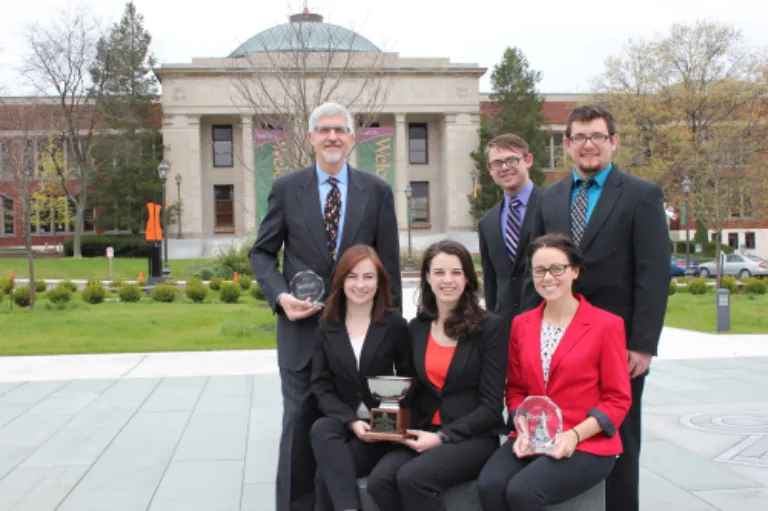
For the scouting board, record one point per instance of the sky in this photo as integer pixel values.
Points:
(567, 41)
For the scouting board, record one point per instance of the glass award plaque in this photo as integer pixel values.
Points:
(541, 420)
(308, 285)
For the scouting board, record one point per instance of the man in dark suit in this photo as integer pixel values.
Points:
(619, 223)
(504, 231)
(314, 215)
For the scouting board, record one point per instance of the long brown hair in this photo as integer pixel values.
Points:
(336, 304)
(467, 316)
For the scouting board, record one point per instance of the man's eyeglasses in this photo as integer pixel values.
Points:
(327, 130)
(556, 270)
(596, 138)
(510, 162)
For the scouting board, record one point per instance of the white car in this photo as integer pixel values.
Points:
(742, 266)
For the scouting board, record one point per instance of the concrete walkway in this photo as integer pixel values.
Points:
(199, 431)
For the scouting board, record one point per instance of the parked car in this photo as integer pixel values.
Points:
(738, 265)
(677, 268)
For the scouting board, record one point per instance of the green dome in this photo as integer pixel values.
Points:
(305, 32)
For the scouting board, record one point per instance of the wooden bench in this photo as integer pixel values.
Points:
(464, 498)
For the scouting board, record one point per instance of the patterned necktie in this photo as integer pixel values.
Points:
(512, 228)
(331, 216)
(579, 211)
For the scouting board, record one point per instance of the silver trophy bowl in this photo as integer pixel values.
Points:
(390, 390)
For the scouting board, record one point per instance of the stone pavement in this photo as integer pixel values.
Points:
(199, 431)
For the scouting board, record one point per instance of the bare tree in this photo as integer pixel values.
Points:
(62, 58)
(304, 64)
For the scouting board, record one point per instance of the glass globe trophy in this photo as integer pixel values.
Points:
(541, 420)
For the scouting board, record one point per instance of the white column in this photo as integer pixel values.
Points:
(181, 141)
(248, 201)
(401, 170)
(460, 138)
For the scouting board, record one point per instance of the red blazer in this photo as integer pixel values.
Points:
(588, 375)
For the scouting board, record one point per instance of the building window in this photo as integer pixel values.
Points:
(749, 240)
(417, 142)
(7, 217)
(89, 215)
(6, 167)
(223, 196)
(733, 240)
(222, 145)
(420, 202)
(715, 237)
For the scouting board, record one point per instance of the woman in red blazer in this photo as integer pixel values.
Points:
(575, 354)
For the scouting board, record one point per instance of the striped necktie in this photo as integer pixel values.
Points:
(512, 228)
(579, 211)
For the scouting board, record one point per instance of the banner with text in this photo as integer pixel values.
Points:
(376, 152)
(269, 163)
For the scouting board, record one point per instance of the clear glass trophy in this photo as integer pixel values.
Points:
(541, 420)
(308, 285)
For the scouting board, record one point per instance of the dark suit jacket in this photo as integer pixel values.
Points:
(337, 383)
(588, 374)
(626, 245)
(502, 280)
(294, 222)
(471, 402)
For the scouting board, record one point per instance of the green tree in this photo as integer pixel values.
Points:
(516, 108)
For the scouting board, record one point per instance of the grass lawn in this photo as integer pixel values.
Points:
(749, 314)
(114, 327)
(96, 267)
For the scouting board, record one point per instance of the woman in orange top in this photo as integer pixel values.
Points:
(459, 354)
(575, 354)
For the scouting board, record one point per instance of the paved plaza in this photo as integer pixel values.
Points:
(199, 431)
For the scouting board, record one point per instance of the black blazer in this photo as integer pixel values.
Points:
(471, 402)
(626, 246)
(294, 223)
(336, 382)
(502, 280)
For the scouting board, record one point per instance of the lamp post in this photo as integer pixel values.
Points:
(178, 206)
(687, 189)
(409, 196)
(474, 199)
(162, 171)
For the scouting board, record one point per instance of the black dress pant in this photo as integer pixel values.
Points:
(295, 482)
(509, 483)
(405, 480)
(341, 458)
(622, 488)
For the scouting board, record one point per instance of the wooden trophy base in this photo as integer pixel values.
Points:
(389, 424)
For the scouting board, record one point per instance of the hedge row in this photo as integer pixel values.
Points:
(96, 246)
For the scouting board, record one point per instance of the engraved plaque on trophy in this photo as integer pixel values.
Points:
(390, 419)
(308, 285)
(540, 419)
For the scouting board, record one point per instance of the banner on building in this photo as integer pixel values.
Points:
(376, 152)
(269, 163)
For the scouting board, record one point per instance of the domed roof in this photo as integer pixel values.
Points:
(305, 32)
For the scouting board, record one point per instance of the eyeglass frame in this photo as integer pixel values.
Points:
(326, 130)
(588, 138)
(506, 161)
(544, 271)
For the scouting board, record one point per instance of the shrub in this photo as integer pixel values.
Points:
(94, 291)
(245, 282)
(230, 292)
(196, 291)
(68, 284)
(96, 246)
(117, 283)
(59, 294)
(6, 285)
(2, 295)
(257, 293)
(21, 296)
(235, 259)
(697, 286)
(206, 274)
(755, 286)
(729, 282)
(41, 286)
(141, 282)
(672, 287)
(164, 293)
(129, 293)
(215, 283)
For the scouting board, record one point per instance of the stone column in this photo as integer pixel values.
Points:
(248, 201)
(460, 138)
(181, 142)
(401, 170)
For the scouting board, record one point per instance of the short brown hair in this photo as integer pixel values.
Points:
(586, 113)
(561, 242)
(336, 304)
(508, 141)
